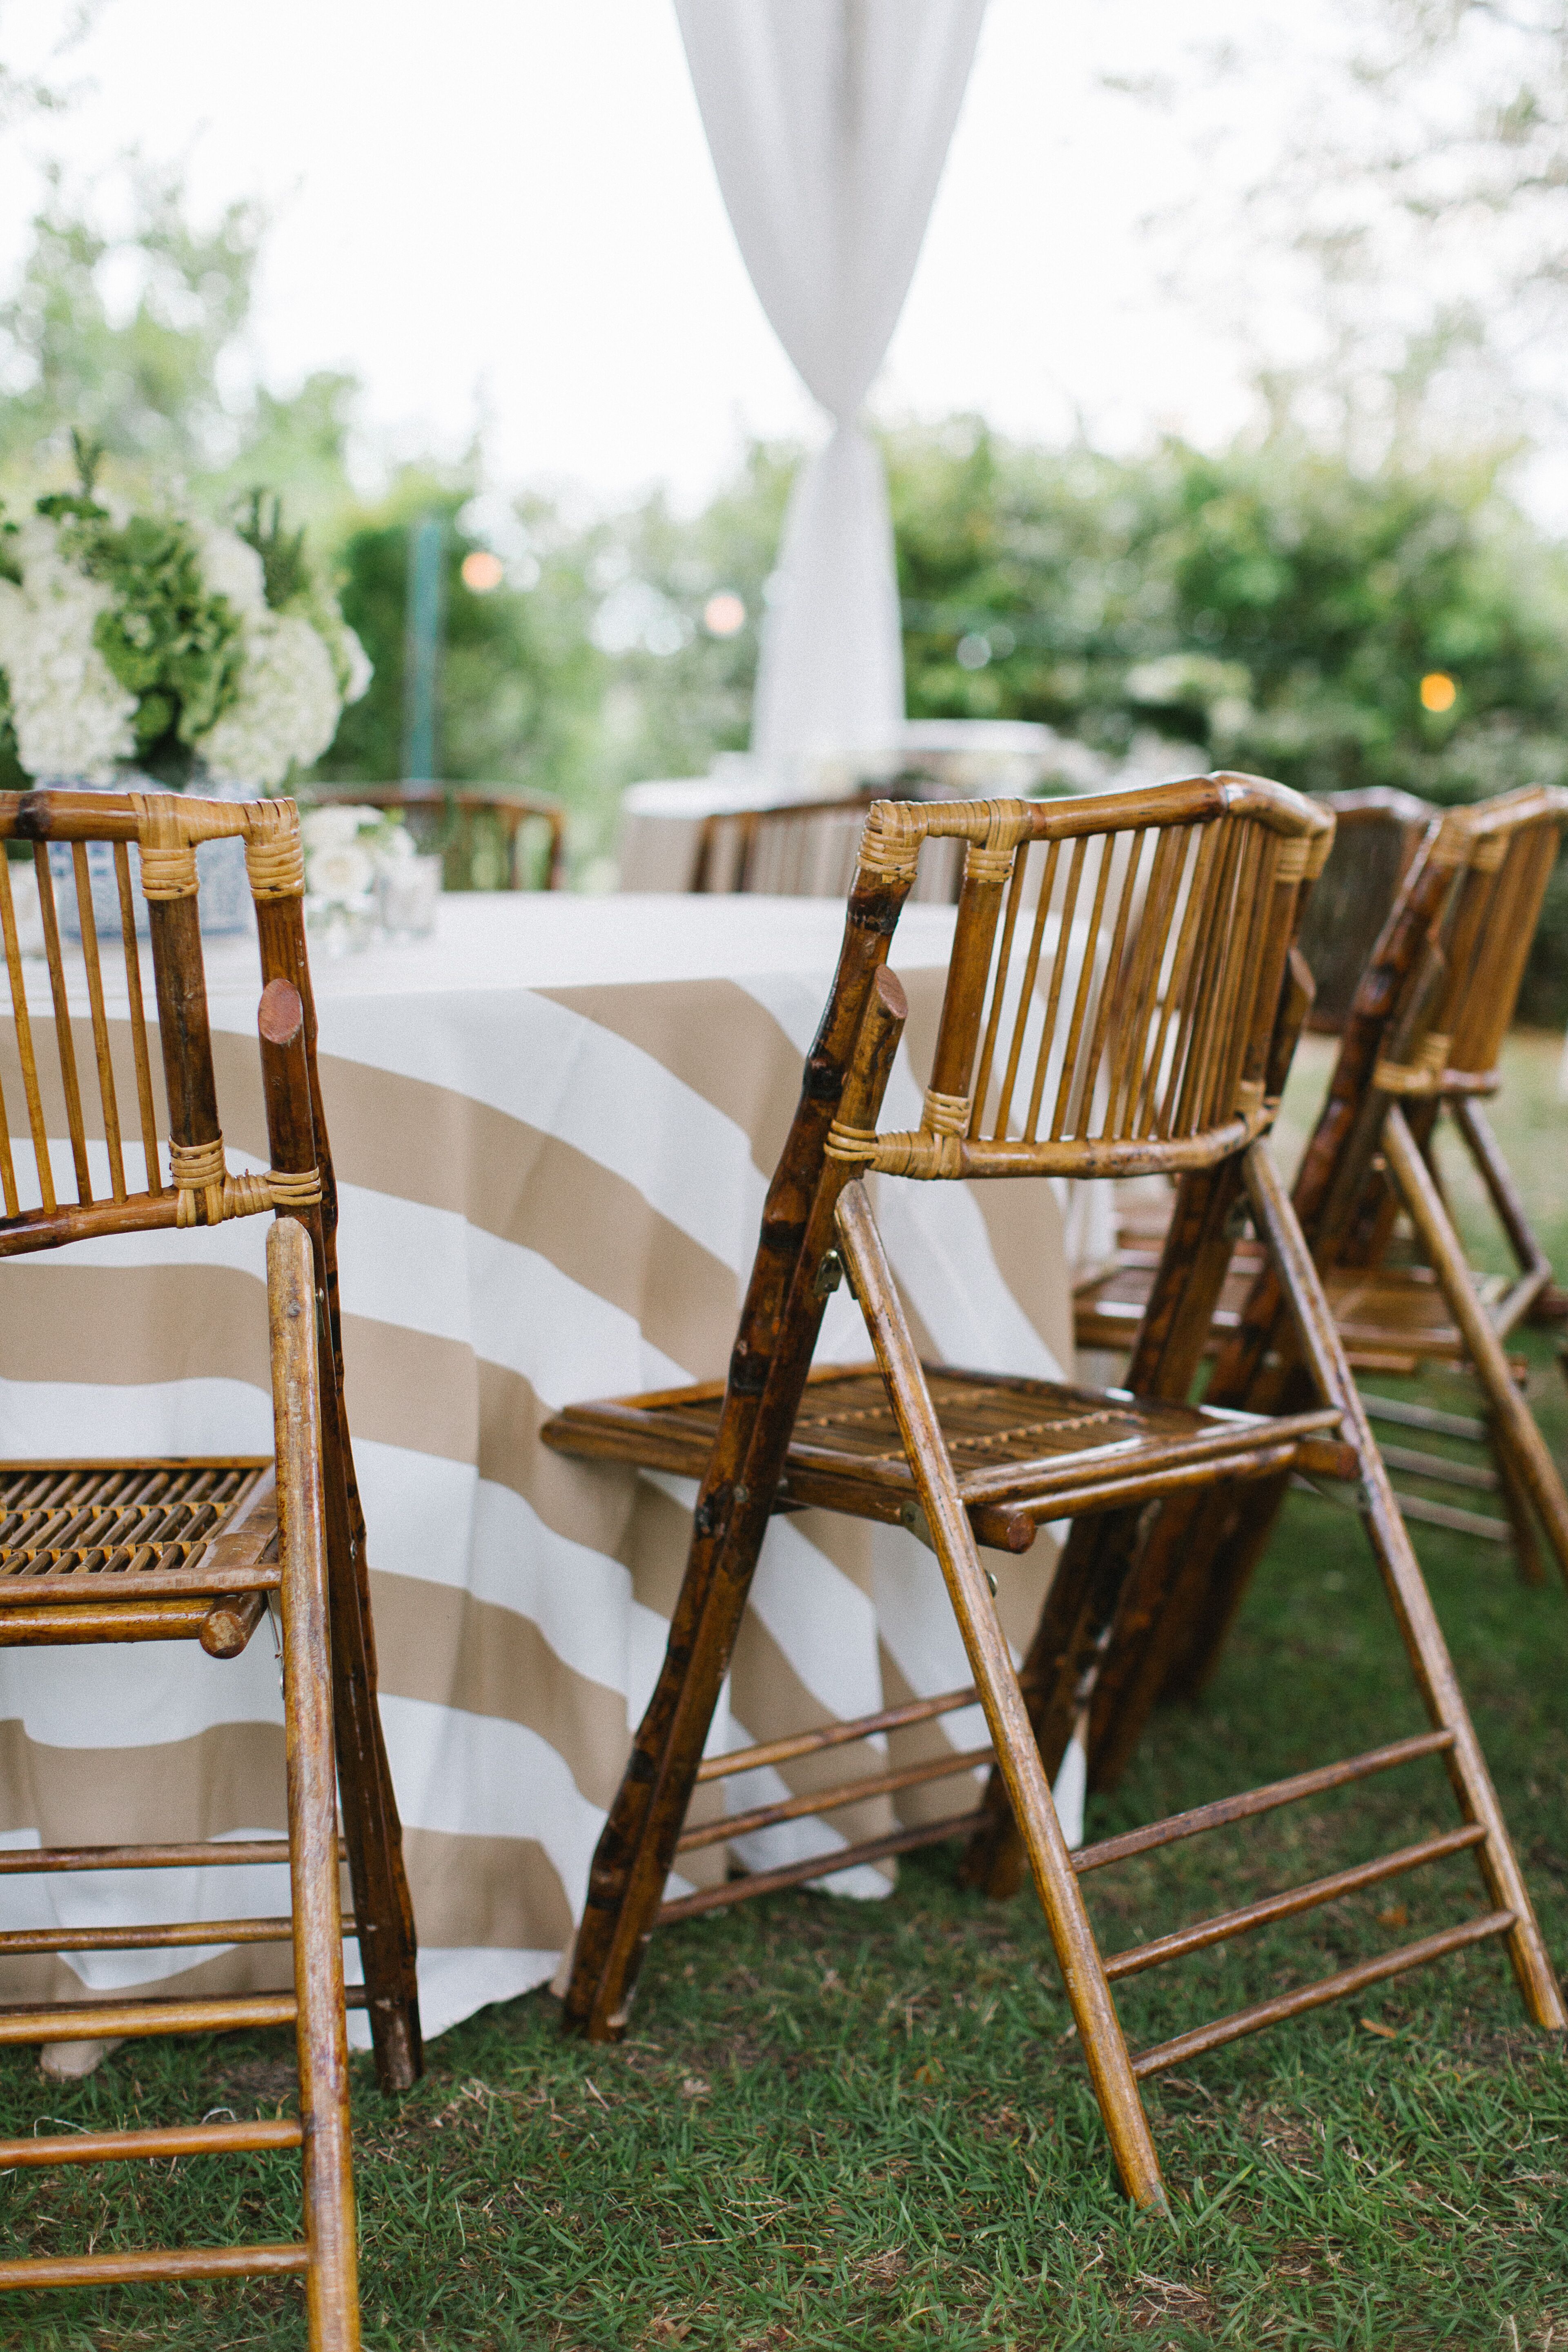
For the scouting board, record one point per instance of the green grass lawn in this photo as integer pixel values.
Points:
(840, 2125)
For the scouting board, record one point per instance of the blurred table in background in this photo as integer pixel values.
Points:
(662, 822)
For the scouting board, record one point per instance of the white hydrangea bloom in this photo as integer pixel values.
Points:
(71, 715)
(231, 567)
(343, 875)
(288, 706)
(335, 826)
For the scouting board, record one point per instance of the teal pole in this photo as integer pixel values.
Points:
(422, 649)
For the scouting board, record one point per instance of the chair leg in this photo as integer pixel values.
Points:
(636, 1845)
(372, 1832)
(1508, 1202)
(1506, 1407)
(297, 1138)
(1403, 1579)
(332, 2277)
(1081, 1602)
(768, 1372)
(383, 1910)
(1100, 2029)
(1514, 1496)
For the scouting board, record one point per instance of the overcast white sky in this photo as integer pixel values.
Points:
(506, 207)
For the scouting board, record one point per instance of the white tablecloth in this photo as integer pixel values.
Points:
(552, 1125)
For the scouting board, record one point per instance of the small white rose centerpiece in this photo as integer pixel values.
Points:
(348, 850)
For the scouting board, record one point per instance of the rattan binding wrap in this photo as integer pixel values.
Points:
(210, 1193)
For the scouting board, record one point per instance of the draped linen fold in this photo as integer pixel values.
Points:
(829, 121)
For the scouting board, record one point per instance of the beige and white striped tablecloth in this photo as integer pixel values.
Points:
(552, 1125)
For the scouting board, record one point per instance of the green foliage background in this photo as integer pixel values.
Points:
(1271, 606)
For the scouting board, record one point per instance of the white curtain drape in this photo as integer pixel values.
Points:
(829, 123)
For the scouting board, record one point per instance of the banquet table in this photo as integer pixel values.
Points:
(552, 1125)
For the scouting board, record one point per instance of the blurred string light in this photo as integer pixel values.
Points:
(482, 572)
(724, 616)
(1438, 691)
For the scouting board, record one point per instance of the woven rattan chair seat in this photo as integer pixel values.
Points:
(97, 1523)
(1014, 1442)
(1389, 1317)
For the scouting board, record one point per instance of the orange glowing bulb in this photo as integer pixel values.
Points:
(1438, 691)
(482, 572)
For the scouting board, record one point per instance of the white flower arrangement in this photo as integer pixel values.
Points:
(71, 716)
(169, 643)
(287, 710)
(345, 848)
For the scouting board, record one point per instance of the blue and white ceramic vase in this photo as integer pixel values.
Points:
(224, 896)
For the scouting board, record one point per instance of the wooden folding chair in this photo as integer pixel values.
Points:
(804, 849)
(1392, 1312)
(1070, 1043)
(197, 1550)
(1424, 1033)
(1377, 833)
(478, 829)
(1439, 1310)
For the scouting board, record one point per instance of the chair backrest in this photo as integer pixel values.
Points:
(1432, 1008)
(1377, 833)
(1512, 845)
(478, 829)
(805, 849)
(1115, 976)
(145, 1178)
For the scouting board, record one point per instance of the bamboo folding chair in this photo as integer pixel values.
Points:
(804, 849)
(1070, 1043)
(1423, 1033)
(454, 819)
(1396, 1315)
(200, 1549)
(1377, 833)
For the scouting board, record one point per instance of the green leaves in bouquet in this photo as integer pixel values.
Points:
(285, 566)
(169, 639)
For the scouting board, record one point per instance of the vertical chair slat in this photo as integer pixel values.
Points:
(1144, 979)
(1174, 1026)
(12, 961)
(1197, 990)
(1059, 957)
(1109, 988)
(22, 1019)
(1027, 989)
(1219, 996)
(999, 987)
(183, 1025)
(1084, 992)
(963, 999)
(1197, 1004)
(99, 1021)
(64, 1042)
(1168, 968)
(1204, 999)
(1135, 993)
(138, 1019)
(1254, 889)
